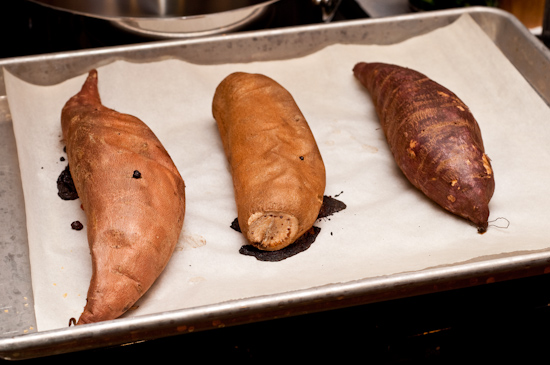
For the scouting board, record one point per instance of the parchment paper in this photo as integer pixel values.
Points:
(388, 227)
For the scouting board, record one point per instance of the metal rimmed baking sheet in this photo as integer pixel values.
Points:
(293, 42)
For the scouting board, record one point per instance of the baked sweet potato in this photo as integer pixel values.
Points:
(433, 137)
(133, 197)
(277, 169)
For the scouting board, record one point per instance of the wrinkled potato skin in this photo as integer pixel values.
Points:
(133, 224)
(434, 139)
(277, 169)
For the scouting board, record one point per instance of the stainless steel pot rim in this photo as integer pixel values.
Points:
(164, 19)
(196, 26)
(240, 14)
(128, 10)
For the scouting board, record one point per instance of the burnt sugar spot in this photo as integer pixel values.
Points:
(77, 226)
(235, 225)
(329, 207)
(65, 185)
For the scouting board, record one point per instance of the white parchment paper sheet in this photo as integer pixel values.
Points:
(388, 227)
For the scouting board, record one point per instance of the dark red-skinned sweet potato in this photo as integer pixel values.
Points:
(133, 197)
(433, 137)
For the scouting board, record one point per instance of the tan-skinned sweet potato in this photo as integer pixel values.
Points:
(277, 169)
(433, 137)
(133, 197)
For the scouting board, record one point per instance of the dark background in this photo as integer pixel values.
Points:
(504, 321)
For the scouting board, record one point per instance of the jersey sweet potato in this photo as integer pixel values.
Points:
(133, 197)
(433, 137)
(277, 170)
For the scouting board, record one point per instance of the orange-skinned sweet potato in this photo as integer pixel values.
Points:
(133, 197)
(433, 137)
(277, 169)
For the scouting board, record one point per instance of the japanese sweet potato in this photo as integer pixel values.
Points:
(433, 137)
(277, 170)
(133, 197)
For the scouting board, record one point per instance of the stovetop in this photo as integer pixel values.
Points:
(30, 28)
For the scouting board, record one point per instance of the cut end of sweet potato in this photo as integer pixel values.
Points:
(272, 231)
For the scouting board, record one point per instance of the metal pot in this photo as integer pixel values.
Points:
(177, 18)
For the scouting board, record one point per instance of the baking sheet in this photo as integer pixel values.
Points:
(387, 227)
